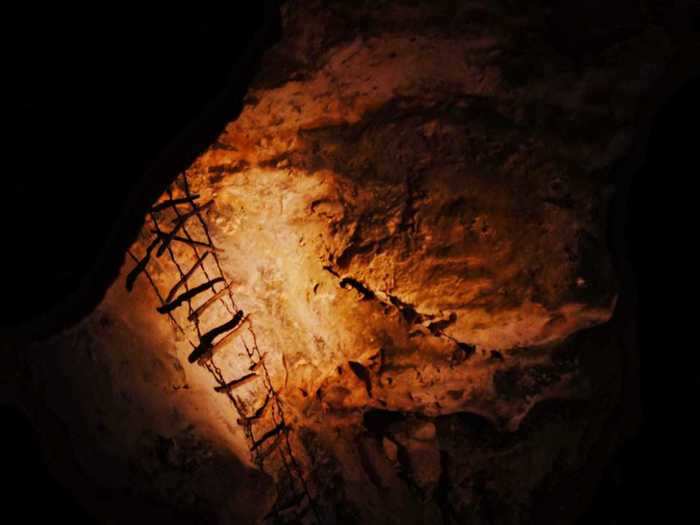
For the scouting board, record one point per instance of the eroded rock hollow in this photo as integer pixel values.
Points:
(384, 294)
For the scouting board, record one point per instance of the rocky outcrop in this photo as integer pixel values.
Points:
(412, 211)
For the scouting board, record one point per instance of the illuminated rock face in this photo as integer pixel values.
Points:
(420, 219)
(412, 210)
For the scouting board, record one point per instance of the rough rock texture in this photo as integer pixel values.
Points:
(412, 209)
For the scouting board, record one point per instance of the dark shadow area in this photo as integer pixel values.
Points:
(85, 97)
(30, 491)
(656, 210)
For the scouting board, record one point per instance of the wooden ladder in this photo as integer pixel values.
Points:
(265, 441)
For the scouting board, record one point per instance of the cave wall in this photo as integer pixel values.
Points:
(412, 209)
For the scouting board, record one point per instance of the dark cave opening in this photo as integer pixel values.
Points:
(129, 122)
